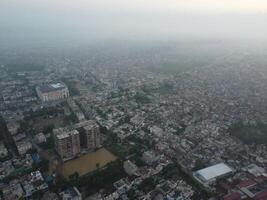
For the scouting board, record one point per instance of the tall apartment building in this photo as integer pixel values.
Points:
(67, 143)
(92, 135)
(70, 140)
(52, 92)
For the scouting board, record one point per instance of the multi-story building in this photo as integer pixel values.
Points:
(70, 140)
(52, 92)
(92, 135)
(67, 143)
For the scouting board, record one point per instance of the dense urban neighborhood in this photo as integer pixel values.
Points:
(114, 125)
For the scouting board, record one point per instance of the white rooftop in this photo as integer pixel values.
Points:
(214, 171)
(67, 134)
(57, 85)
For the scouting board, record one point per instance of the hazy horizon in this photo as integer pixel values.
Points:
(78, 21)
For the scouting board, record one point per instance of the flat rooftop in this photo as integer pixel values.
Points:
(51, 87)
(212, 172)
(66, 134)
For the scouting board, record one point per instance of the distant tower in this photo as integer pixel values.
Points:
(114, 84)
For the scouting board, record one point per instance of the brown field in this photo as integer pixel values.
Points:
(87, 163)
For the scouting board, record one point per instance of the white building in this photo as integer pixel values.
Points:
(130, 168)
(211, 174)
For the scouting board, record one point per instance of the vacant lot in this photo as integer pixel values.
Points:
(87, 163)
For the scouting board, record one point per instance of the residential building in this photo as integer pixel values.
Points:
(71, 193)
(130, 168)
(40, 138)
(3, 150)
(92, 135)
(32, 183)
(67, 143)
(23, 146)
(13, 191)
(149, 157)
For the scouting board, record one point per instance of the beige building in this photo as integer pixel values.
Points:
(92, 135)
(52, 92)
(67, 143)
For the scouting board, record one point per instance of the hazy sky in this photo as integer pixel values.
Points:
(213, 6)
(89, 19)
(174, 5)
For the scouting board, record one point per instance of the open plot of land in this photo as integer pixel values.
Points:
(87, 163)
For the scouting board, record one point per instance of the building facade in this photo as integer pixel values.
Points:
(78, 138)
(92, 136)
(52, 92)
(67, 143)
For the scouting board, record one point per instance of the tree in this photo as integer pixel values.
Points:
(74, 176)
(97, 166)
(199, 164)
(49, 128)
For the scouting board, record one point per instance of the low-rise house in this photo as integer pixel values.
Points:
(71, 193)
(3, 150)
(34, 182)
(13, 127)
(149, 157)
(130, 168)
(6, 168)
(40, 138)
(13, 191)
(23, 146)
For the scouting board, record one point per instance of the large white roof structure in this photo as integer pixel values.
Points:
(213, 172)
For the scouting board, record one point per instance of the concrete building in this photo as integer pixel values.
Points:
(130, 168)
(91, 134)
(255, 170)
(32, 183)
(40, 138)
(12, 127)
(23, 146)
(52, 92)
(3, 150)
(149, 157)
(13, 191)
(67, 143)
